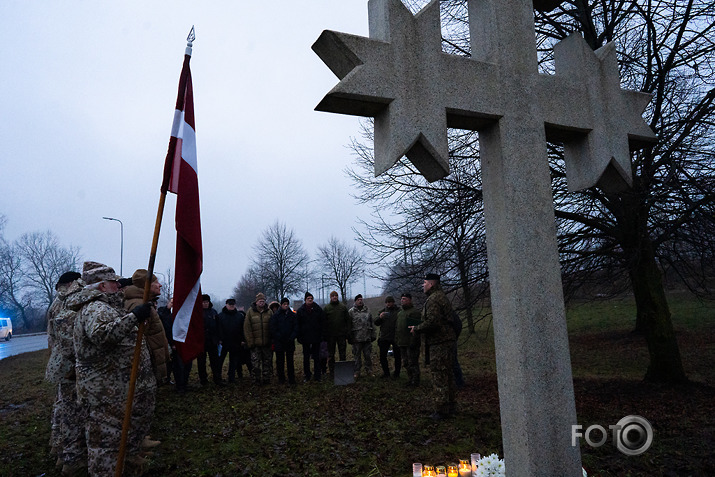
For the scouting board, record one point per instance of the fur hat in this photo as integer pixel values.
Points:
(95, 272)
(274, 304)
(139, 278)
(260, 296)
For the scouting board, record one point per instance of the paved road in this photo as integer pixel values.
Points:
(22, 344)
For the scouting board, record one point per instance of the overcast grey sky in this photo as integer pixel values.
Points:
(88, 96)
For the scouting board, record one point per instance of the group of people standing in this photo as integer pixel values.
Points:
(92, 331)
(324, 333)
(93, 328)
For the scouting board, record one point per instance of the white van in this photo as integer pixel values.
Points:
(5, 329)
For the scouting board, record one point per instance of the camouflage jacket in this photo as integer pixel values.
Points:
(437, 315)
(363, 328)
(60, 331)
(104, 340)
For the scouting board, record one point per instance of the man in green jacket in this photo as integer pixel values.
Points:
(408, 343)
(439, 333)
(337, 327)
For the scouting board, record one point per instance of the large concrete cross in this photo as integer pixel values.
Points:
(401, 77)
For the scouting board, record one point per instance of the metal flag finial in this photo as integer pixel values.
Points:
(192, 36)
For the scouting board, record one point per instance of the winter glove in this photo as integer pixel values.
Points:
(142, 312)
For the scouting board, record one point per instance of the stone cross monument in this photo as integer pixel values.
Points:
(401, 77)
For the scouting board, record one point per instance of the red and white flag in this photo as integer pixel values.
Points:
(180, 177)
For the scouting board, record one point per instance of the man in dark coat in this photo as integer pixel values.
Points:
(387, 321)
(284, 329)
(231, 327)
(310, 334)
(336, 329)
(212, 338)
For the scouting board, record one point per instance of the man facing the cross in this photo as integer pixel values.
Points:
(437, 328)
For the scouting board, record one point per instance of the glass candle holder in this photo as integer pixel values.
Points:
(428, 471)
(465, 468)
(416, 469)
(441, 471)
(452, 470)
(475, 458)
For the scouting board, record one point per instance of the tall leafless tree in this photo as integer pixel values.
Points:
(281, 261)
(342, 263)
(667, 219)
(44, 260)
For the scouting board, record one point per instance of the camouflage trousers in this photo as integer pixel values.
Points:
(70, 417)
(444, 391)
(262, 361)
(363, 349)
(103, 428)
(411, 362)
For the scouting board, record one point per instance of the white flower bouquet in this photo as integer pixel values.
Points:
(490, 466)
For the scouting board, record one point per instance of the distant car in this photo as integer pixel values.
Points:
(5, 329)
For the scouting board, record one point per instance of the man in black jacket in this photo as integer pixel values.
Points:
(231, 328)
(284, 329)
(310, 334)
(212, 338)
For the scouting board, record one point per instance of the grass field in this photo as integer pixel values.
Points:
(379, 427)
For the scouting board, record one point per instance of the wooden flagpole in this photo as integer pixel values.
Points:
(147, 291)
(140, 335)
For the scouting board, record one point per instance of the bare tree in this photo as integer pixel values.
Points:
(13, 297)
(668, 217)
(342, 263)
(281, 262)
(249, 285)
(43, 261)
(419, 226)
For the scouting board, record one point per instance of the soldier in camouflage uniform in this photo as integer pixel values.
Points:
(67, 426)
(104, 340)
(438, 331)
(362, 334)
(409, 343)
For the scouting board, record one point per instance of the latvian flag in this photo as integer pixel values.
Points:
(180, 177)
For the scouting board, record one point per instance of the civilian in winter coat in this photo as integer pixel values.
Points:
(362, 334)
(258, 338)
(284, 329)
(154, 330)
(212, 338)
(387, 320)
(337, 328)
(310, 334)
(231, 328)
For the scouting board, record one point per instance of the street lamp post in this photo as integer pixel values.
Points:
(121, 245)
